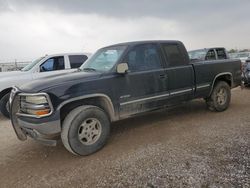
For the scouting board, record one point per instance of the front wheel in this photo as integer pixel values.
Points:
(220, 97)
(85, 130)
(4, 105)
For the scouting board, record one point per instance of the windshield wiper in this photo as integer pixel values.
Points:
(89, 69)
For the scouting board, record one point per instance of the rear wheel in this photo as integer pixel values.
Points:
(4, 105)
(85, 130)
(220, 97)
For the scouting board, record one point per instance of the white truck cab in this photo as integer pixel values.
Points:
(48, 65)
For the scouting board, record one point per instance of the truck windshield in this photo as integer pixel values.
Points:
(197, 54)
(104, 59)
(32, 64)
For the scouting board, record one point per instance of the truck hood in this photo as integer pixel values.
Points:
(15, 78)
(11, 74)
(59, 80)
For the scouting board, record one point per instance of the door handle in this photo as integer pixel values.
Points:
(163, 76)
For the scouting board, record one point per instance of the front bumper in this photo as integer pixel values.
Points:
(32, 133)
(45, 130)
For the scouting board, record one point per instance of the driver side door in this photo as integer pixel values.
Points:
(144, 87)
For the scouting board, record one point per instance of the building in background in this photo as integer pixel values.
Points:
(12, 66)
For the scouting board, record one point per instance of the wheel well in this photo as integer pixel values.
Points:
(226, 77)
(4, 92)
(100, 102)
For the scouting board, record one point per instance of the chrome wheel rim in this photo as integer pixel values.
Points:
(221, 96)
(89, 131)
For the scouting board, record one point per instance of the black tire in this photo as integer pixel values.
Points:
(3, 105)
(218, 101)
(75, 122)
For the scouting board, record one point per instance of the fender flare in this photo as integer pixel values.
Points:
(105, 97)
(218, 75)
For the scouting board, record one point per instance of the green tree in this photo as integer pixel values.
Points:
(233, 51)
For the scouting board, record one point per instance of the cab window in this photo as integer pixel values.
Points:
(77, 60)
(174, 55)
(211, 55)
(221, 53)
(53, 64)
(143, 58)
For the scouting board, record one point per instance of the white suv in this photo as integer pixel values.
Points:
(48, 65)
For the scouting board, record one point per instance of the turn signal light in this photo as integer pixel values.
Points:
(42, 112)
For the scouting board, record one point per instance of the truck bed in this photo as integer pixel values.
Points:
(205, 72)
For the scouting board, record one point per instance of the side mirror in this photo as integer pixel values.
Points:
(122, 68)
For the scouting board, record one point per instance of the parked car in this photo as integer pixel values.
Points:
(48, 65)
(248, 60)
(246, 73)
(243, 56)
(232, 55)
(117, 82)
(208, 54)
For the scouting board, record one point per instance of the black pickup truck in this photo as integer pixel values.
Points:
(117, 82)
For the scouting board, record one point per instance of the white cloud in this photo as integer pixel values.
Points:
(31, 29)
(28, 35)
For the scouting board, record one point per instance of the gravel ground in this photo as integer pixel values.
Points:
(187, 146)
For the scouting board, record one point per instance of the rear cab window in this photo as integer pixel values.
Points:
(221, 53)
(174, 55)
(77, 60)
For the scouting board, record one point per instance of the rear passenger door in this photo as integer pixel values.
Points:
(145, 85)
(179, 72)
(77, 60)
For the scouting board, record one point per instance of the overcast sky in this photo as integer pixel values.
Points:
(32, 28)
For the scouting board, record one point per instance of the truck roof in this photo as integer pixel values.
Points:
(145, 42)
(207, 49)
(61, 54)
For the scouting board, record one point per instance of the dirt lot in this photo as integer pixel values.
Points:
(187, 146)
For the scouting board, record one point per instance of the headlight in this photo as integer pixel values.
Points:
(36, 99)
(35, 105)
